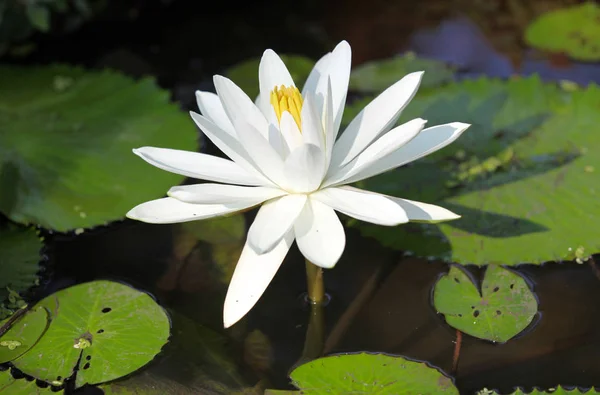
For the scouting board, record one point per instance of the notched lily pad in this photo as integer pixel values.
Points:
(11, 386)
(505, 307)
(574, 31)
(23, 334)
(370, 373)
(71, 133)
(110, 329)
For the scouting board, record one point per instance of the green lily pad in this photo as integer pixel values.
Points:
(108, 328)
(523, 176)
(574, 31)
(11, 386)
(23, 334)
(370, 373)
(70, 134)
(554, 391)
(376, 76)
(505, 307)
(19, 259)
(245, 74)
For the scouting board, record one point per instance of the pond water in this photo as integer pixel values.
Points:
(380, 300)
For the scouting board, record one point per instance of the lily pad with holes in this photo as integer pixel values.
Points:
(378, 75)
(66, 141)
(370, 373)
(573, 30)
(19, 259)
(11, 386)
(23, 334)
(245, 74)
(504, 308)
(108, 328)
(554, 391)
(524, 176)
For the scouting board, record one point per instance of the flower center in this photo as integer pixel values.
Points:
(287, 98)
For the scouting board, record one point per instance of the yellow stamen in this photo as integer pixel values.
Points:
(287, 98)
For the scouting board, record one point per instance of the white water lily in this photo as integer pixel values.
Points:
(285, 155)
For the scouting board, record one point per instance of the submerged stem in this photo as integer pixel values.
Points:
(314, 278)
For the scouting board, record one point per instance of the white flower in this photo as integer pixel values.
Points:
(283, 156)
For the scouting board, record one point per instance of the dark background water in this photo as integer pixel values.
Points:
(183, 44)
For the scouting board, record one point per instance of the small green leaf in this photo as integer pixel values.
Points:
(19, 259)
(23, 334)
(376, 76)
(220, 230)
(12, 386)
(111, 328)
(39, 16)
(370, 373)
(70, 134)
(504, 308)
(245, 74)
(573, 30)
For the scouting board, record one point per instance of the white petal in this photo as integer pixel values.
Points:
(229, 144)
(274, 219)
(196, 165)
(328, 127)
(267, 159)
(423, 212)
(223, 194)
(211, 107)
(377, 117)
(363, 205)
(169, 210)
(278, 142)
(320, 234)
(304, 168)
(290, 132)
(312, 126)
(272, 72)
(251, 278)
(426, 142)
(335, 66)
(385, 145)
(238, 106)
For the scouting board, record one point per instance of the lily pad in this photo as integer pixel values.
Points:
(220, 230)
(23, 334)
(523, 177)
(554, 391)
(505, 307)
(376, 76)
(107, 328)
(573, 30)
(19, 259)
(70, 134)
(11, 386)
(245, 74)
(370, 373)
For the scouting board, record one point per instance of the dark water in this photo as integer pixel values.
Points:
(380, 301)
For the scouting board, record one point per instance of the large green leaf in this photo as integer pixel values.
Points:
(66, 141)
(19, 259)
(23, 334)
(12, 386)
(504, 308)
(105, 328)
(524, 176)
(370, 373)
(245, 74)
(574, 30)
(376, 76)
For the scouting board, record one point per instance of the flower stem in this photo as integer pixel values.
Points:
(314, 278)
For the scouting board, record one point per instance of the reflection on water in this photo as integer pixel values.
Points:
(380, 302)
